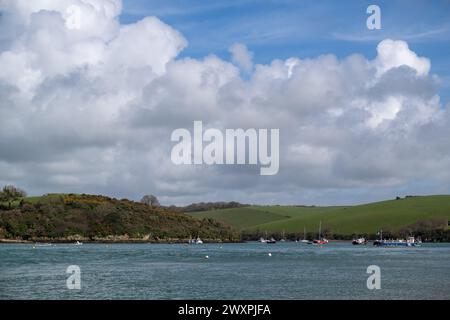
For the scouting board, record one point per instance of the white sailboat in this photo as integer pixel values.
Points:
(283, 238)
(195, 241)
(304, 236)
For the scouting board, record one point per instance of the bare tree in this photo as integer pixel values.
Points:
(10, 194)
(150, 200)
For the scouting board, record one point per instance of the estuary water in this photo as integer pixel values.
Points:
(232, 271)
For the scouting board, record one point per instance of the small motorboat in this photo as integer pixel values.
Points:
(359, 241)
(271, 241)
(320, 241)
(78, 243)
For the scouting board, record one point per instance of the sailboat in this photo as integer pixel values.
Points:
(195, 241)
(283, 238)
(304, 236)
(267, 240)
(320, 239)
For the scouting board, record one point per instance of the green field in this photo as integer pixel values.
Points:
(34, 199)
(361, 219)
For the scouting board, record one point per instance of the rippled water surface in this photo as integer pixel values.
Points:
(233, 271)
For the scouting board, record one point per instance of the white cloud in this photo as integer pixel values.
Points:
(91, 110)
(241, 56)
(392, 54)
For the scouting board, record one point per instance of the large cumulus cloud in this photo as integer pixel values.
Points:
(91, 109)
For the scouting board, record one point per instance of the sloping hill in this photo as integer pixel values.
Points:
(390, 215)
(68, 216)
(242, 218)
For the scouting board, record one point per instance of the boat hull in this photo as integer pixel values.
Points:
(394, 244)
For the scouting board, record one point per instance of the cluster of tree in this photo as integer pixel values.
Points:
(429, 230)
(89, 216)
(10, 194)
(152, 200)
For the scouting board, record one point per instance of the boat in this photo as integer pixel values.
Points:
(304, 237)
(266, 240)
(410, 242)
(78, 243)
(320, 240)
(195, 241)
(359, 241)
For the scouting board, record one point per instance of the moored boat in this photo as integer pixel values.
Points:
(195, 241)
(304, 237)
(410, 242)
(359, 241)
(320, 240)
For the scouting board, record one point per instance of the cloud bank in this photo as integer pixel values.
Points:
(91, 109)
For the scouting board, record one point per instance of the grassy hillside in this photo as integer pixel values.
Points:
(63, 216)
(390, 215)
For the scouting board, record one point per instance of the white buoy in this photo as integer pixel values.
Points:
(206, 257)
(270, 254)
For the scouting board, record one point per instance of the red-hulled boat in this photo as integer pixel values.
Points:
(321, 240)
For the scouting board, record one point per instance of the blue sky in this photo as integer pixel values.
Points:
(284, 28)
(351, 132)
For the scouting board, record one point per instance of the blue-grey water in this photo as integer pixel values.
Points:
(233, 271)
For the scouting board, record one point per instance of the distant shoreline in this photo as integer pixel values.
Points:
(136, 241)
(105, 241)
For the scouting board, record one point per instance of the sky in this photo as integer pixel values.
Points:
(282, 29)
(88, 101)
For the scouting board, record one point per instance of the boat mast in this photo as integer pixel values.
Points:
(320, 229)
